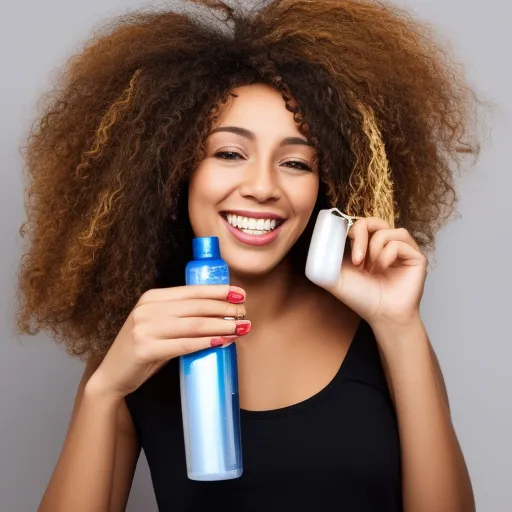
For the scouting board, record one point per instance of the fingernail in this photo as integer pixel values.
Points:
(235, 298)
(223, 340)
(243, 327)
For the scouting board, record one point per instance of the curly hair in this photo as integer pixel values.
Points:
(109, 157)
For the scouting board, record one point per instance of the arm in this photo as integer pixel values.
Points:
(435, 477)
(383, 282)
(95, 468)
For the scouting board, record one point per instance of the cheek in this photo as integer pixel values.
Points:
(206, 190)
(211, 184)
(304, 197)
(196, 197)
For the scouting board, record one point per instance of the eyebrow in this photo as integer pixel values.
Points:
(288, 141)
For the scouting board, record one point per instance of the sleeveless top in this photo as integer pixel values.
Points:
(338, 450)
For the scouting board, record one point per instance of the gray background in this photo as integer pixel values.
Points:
(466, 303)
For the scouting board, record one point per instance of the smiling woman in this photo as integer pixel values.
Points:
(257, 167)
(166, 127)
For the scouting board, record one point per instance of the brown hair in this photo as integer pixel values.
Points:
(109, 158)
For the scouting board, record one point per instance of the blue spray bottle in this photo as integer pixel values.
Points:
(209, 386)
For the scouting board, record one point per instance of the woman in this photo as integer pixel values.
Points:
(168, 126)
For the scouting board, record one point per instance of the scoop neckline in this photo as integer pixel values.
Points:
(314, 399)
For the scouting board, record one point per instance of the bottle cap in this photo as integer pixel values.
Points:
(206, 247)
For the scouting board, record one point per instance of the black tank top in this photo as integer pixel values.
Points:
(338, 450)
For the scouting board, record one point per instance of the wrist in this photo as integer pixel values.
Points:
(406, 332)
(97, 390)
(397, 324)
(404, 349)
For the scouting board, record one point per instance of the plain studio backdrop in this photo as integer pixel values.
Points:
(466, 306)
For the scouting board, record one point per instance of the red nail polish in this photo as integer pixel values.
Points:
(217, 342)
(235, 298)
(243, 327)
(223, 340)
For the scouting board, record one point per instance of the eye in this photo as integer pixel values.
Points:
(228, 155)
(297, 164)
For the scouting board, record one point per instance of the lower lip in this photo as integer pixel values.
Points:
(257, 240)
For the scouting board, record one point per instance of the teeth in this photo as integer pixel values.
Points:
(250, 225)
(254, 231)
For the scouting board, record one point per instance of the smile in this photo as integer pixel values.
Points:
(253, 228)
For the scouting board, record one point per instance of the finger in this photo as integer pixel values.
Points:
(159, 350)
(196, 327)
(360, 232)
(190, 308)
(380, 238)
(232, 294)
(396, 252)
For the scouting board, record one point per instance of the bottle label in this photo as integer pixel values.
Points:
(206, 274)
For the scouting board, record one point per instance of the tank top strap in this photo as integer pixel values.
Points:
(362, 362)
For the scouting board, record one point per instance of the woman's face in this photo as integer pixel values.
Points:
(257, 186)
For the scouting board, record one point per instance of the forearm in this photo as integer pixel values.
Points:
(435, 476)
(82, 479)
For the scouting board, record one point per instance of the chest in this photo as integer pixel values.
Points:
(289, 365)
(347, 434)
(341, 444)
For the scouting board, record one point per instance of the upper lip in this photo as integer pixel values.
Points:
(254, 215)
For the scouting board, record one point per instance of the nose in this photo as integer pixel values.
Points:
(260, 183)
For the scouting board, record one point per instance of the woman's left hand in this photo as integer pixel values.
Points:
(383, 277)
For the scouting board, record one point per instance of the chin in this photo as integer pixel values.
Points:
(251, 267)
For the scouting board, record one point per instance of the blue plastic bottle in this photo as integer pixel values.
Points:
(209, 386)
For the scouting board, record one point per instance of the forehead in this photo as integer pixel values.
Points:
(258, 108)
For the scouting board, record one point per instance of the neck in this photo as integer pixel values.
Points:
(271, 295)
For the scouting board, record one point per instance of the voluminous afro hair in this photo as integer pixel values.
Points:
(109, 157)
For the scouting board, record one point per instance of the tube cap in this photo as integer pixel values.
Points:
(206, 247)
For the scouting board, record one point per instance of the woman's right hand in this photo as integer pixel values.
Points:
(167, 323)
